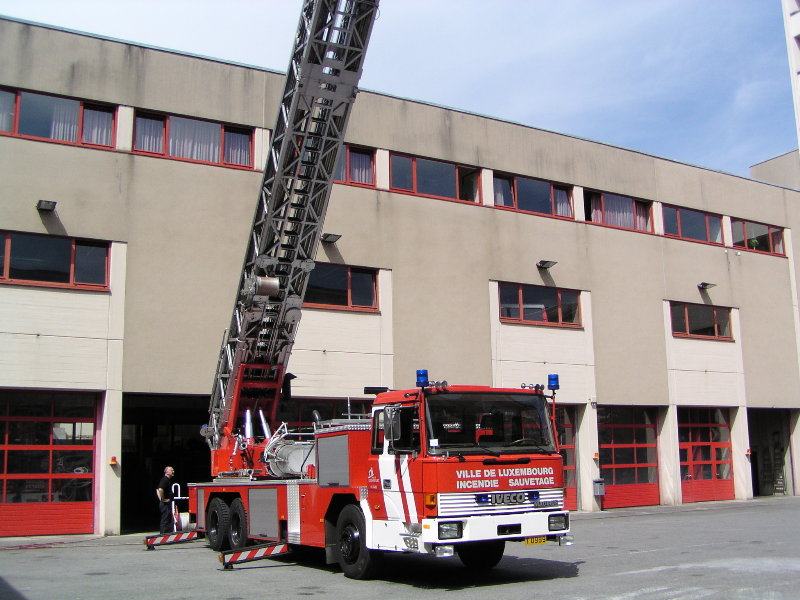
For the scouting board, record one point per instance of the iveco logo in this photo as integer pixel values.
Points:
(505, 498)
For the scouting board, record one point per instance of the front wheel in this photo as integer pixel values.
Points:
(481, 556)
(355, 559)
(218, 521)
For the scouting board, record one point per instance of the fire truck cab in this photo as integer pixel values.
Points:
(436, 470)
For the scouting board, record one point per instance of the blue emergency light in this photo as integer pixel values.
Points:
(422, 377)
(552, 382)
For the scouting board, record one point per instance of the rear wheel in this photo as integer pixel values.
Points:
(218, 521)
(355, 559)
(481, 556)
(237, 532)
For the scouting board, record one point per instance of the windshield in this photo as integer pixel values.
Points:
(480, 422)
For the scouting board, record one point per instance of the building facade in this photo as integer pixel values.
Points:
(670, 309)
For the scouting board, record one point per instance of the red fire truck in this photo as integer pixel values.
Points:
(435, 470)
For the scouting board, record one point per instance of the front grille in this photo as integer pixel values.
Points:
(453, 505)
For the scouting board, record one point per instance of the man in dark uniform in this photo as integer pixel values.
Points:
(164, 493)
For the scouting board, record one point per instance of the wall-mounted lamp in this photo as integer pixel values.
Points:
(748, 452)
(113, 461)
(546, 264)
(593, 403)
(597, 456)
(330, 238)
(704, 285)
(46, 205)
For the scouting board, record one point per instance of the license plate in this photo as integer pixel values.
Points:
(532, 541)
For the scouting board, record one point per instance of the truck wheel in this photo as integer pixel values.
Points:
(237, 532)
(355, 559)
(218, 521)
(481, 556)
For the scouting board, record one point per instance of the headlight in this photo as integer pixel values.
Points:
(558, 522)
(450, 530)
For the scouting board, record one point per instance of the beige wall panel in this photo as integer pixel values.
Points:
(334, 374)
(53, 312)
(704, 355)
(188, 229)
(52, 362)
(339, 331)
(782, 170)
(699, 388)
(121, 73)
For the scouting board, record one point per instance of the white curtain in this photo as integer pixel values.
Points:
(597, 208)
(618, 211)
(360, 167)
(149, 134)
(642, 215)
(97, 126)
(64, 121)
(237, 148)
(6, 110)
(503, 194)
(197, 140)
(561, 201)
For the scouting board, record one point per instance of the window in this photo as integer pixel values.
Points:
(757, 236)
(356, 166)
(617, 211)
(532, 195)
(701, 321)
(48, 442)
(54, 118)
(61, 262)
(193, 139)
(539, 304)
(342, 286)
(435, 178)
(627, 440)
(689, 224)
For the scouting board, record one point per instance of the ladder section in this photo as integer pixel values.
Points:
(320, 88)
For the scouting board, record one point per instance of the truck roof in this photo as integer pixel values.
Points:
(397, 396)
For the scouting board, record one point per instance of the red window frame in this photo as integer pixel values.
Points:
(346, 157)
(470, 171)
(52, 475)
(565, 429)
(707, 215)
(604, 219)
(706, 454)
(79, 135)
(350, 306)
(553, 186)
(746, 242)
(609, 435)
(674, 307)
(5, 263)
(164, 152)
(521, 306)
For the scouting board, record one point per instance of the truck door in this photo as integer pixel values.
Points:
(396, 446)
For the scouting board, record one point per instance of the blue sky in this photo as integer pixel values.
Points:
(699, 81)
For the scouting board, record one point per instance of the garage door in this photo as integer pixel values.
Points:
(705, 451)
(46, 462)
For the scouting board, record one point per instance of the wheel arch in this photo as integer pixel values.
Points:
(337, 503)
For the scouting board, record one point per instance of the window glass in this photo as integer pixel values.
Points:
(40, 258)
(503, 191)
(361, 167)
(341, 163)
(715, 229)
(97, 125)
(327, 284)
(671, 220)
(77, 405)
(149, 134)
(758, 237)
(48, 117)
(3, 237)
(509, 301)
(693, 225)
(26, 490)
(538, 303)
(678, 312)
(28, 433)
(533, 195)
(701, 319)
(402, 172)
(72, 490)
(33, 404)
(237, 147)
(723, 323)
(90, 263)
(569, 307)
(777, 240)
(738, 233)
(72, 461)
(193, 139)
(73, 434)
(7, 100)
(561, 201)
(436, 178)
(28, 461)
(362, 287)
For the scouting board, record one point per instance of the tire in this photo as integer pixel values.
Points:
(237, 531)
(355, 559)
(481, 556)
(218, 522)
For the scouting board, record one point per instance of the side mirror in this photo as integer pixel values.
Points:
(391, 424)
